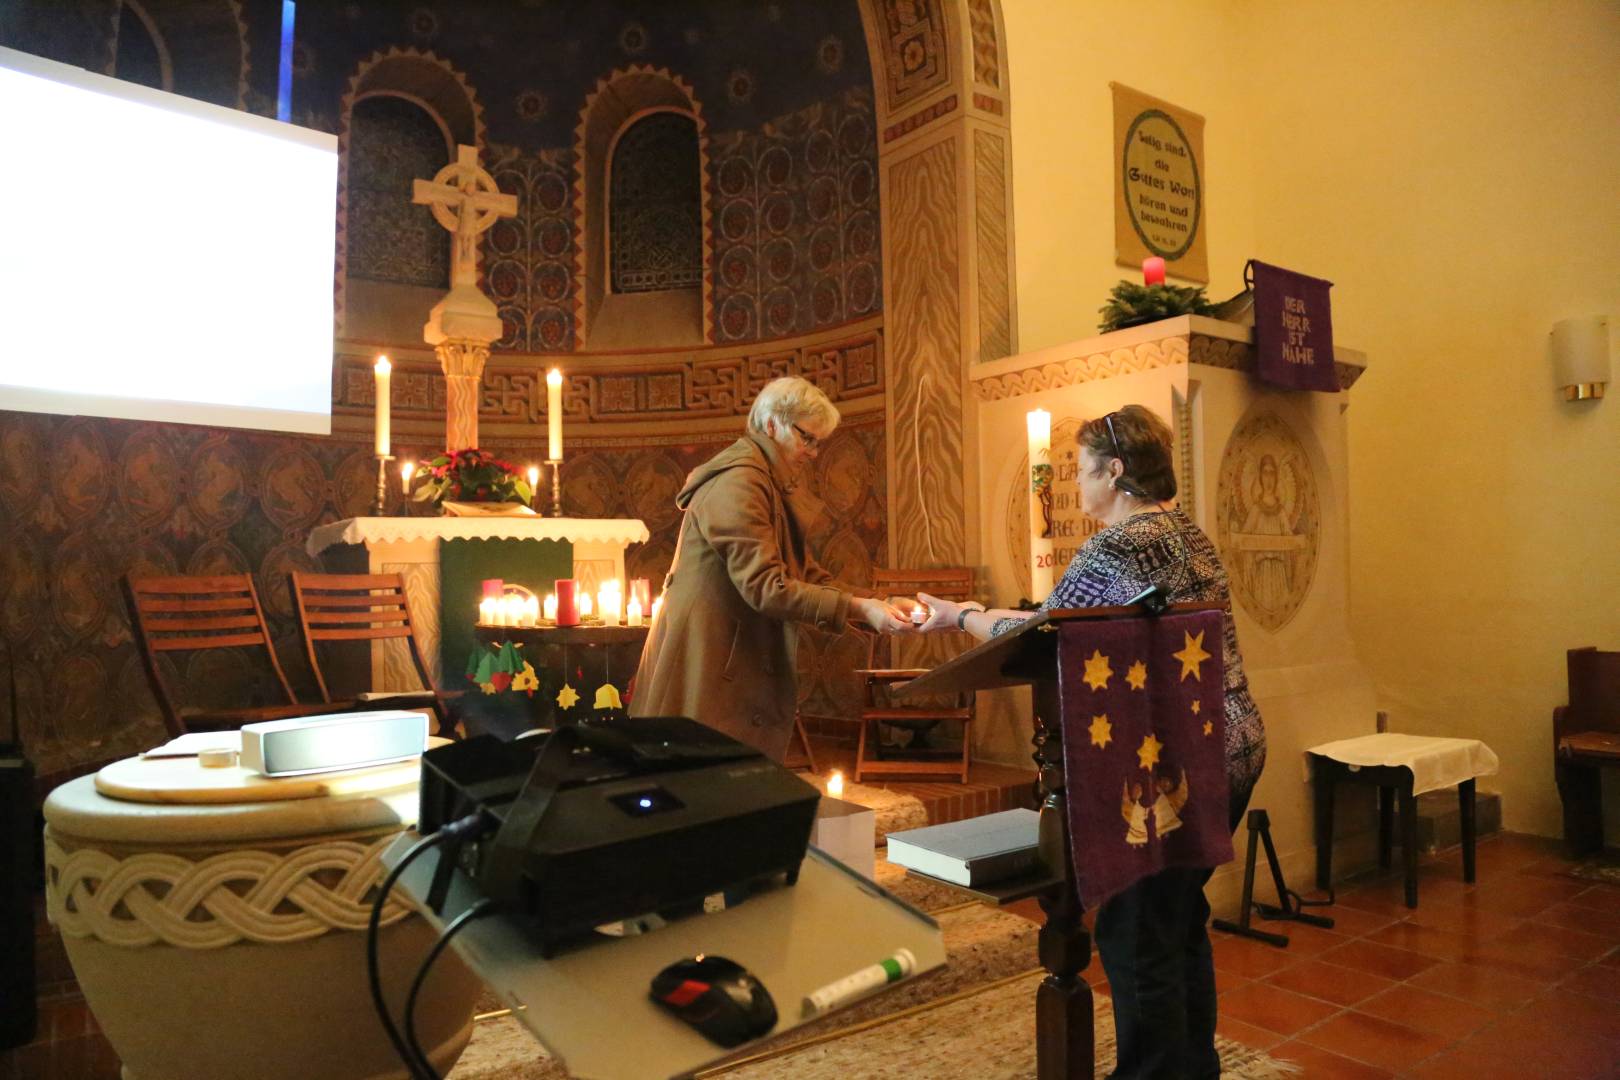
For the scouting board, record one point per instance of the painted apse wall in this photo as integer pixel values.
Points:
(794, 282)
(1450, 167)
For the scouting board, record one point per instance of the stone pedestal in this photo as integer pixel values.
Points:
(460, 328)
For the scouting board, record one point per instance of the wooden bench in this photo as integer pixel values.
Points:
(1586, 738)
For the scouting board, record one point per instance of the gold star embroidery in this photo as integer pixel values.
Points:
(1102, 732)
(1209, 727)
(1197, 705)
(1137, 676)
(1097, 671)
(567, 696)
(1192, 656)
(1148, 755)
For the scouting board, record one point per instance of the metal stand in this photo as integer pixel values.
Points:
(556, 486)
(1291, 903)
(382, 484)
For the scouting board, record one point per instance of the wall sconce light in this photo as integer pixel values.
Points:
(1580, 356)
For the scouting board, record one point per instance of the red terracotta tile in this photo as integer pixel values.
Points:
(1538, 1043)
(1440, 944)
(1464, 920)
(1525, 958)
(1374, 1041)
(1364, 955)
(1523, 896)
(1564, 942)
(1247, 1034)
(1422, 1010)
(1496, 1054)
(1353, 922)
(1340, 985)
(1480, 985)
(1275, 1009)
(1599, 897)
(1305, 940)
(1321, 1064)
(1250, 959)
(1572, 916)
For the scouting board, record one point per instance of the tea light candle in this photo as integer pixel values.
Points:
(835, 784)
(554, 414)
(406, 471)
(584, 604)
(632, 611)
(568, 597)
(550, 607)
(486, 611)
(919, 614)
(531, 611)
(383, 371)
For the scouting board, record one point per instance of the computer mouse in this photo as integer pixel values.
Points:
(717, 996)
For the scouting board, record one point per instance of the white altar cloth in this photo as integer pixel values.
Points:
(392, 530)
(1435, 762)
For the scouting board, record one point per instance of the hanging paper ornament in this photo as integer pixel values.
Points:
(607, 697)
(567, 696)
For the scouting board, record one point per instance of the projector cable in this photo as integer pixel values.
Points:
(455, 830)
(477, 911)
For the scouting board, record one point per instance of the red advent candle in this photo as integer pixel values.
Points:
(494, 587)
(1153, 270)
(567, 602)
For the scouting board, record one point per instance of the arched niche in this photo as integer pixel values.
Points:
(433, 85)
(617, 102)
(140, 52)
(212, 65)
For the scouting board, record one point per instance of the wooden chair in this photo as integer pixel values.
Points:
(878, 713)
(1586, 739)
(172, 614)
(364, 607)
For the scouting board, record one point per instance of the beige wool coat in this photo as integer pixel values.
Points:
(723, 648)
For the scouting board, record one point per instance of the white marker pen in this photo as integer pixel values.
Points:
(888, 970)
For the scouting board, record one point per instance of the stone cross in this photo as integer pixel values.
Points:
(465, 200)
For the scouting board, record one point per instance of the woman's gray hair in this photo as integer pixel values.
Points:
(792, 400)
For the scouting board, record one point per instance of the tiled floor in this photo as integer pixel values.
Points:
(1514, 977)
(1517, 976)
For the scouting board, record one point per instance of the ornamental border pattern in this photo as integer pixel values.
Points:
(157, 898)
(1166, 352)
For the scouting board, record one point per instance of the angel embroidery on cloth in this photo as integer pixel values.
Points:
(1167, 807)
(1135, 814)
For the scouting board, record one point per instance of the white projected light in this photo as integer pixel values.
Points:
(165, 259)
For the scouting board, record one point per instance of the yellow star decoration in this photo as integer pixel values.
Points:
(1137, 676)
(1102, 732)
(1209, 727)
(1192, 656)
(1097, 671)
(1196, 706)
(567, 696)
(1148, 755)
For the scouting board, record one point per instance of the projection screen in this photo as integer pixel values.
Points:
(163, 258)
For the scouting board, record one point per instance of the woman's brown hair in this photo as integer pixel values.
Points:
(1141, 441)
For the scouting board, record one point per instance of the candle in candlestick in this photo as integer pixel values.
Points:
(632, 611)
(554, 414)
(550, 607)
(383, 370)
(1039, 422)
(567, 602)
(1153, 270)
(534, 484)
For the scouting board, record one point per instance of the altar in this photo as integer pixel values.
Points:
(442, 558)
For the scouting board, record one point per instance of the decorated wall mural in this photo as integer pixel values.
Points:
(1268, 518)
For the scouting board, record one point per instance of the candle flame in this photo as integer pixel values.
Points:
(383, 367)
(534, 476)
(554, 377)
(835, 784)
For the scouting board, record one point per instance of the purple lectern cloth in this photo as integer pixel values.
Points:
(1293, 329)
(1143, 747)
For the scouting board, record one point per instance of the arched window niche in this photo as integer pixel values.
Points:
(641, 261)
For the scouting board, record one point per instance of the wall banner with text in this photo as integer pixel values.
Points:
(1158, 184)
(1293, 328)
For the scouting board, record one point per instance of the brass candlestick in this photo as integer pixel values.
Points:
(382, 483)
(556, 486)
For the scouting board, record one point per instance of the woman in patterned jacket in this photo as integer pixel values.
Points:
(1152, 937)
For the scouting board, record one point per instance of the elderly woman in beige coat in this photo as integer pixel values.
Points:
(722, 649)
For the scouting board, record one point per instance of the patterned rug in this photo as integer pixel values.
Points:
(1605, 867)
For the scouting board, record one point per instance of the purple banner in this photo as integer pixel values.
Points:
(1293, 329)
(1144, 743)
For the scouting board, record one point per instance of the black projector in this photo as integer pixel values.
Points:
(607, 820)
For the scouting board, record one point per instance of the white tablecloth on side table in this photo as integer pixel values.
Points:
(1435, 762)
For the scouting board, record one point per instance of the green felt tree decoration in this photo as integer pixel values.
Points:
(1131, 304)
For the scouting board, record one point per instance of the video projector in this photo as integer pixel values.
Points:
(610, 819)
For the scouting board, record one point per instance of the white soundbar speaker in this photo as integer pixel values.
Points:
(315, 744)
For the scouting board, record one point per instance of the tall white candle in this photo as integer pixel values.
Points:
(554, 414)
(1039, 422)
(383, 370)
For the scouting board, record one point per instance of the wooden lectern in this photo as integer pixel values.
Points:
(1064, 1043)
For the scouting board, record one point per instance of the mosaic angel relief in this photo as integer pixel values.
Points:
(1268, 519)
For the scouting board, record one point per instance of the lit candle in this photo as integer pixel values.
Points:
(384, 373)
(610, 601)
(486, 611)
(584, 604)
(406, 471)
(554, 413)
(531, 610)
(550, 607)
(509, 610)
(835, 784)
(1040, 481)
(1153, 270)
(534, 484)
(632, 611)
(567, 602)
(919, 614)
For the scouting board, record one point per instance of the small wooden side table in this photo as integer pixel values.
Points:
(1404, 767)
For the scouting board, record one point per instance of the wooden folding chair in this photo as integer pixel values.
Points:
(364, 607)
(183, 613)
(947, 583)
